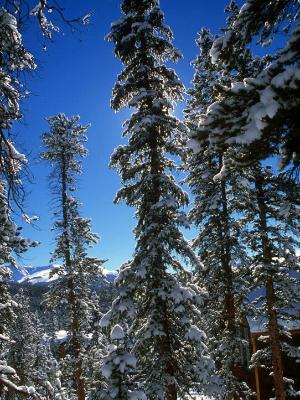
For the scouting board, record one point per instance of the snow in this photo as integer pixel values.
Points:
(266, 107)
(61, 335)
(194, 145)
(141, 26)
(215, 50)
(198, 397)
(222, 174)
(40, 275)
(13, 152)
(267, 99)
(142, 95)
(244, 182)
(237, 86)
(196, 334)
(169, 202)
(245, 7)
(31, 389)
(137, 395)
(130, 360)
(214, 107)
(219, 44)
(110, 275)
(128, 37)
(106, 370)
(117, 333)
(8, 20)
(4, 369)
(284, 210)
(286, 77)
(117, 360)
(266, 85)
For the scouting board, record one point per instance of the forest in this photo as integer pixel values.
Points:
(212, 317)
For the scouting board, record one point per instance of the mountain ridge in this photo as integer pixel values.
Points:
(39, 275)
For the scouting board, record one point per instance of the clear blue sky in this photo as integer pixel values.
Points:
(75, 76)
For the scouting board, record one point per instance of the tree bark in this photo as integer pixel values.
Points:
(229, 304)
(166, 352)
(229, 297)
(276, 352)
(78, 378)
(155, 193)
(229, 301)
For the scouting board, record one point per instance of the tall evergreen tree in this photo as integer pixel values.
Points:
(272, 213)
(156, 306)
(14, 58)
(223, 124)
(215, 214)
(71, 292)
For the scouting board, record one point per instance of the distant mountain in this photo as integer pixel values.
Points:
(39, 275)
(24, 271)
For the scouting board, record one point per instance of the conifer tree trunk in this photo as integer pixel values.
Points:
(270, 295)
(71, 294)
(165, 349)
(78, 379)
(229, 306)
(164, 341)
(229, 300)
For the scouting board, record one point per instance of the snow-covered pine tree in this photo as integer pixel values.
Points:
(71, 292)
(272, 213)
(118, 367)
(10, 242)
(261, 110)
(156, 299)
(14, 59)
(30, 353)
(219, 241)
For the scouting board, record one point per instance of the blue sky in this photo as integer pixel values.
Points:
(75, 76)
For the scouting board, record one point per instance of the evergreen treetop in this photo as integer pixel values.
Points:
(155, 298)
(259, 111)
